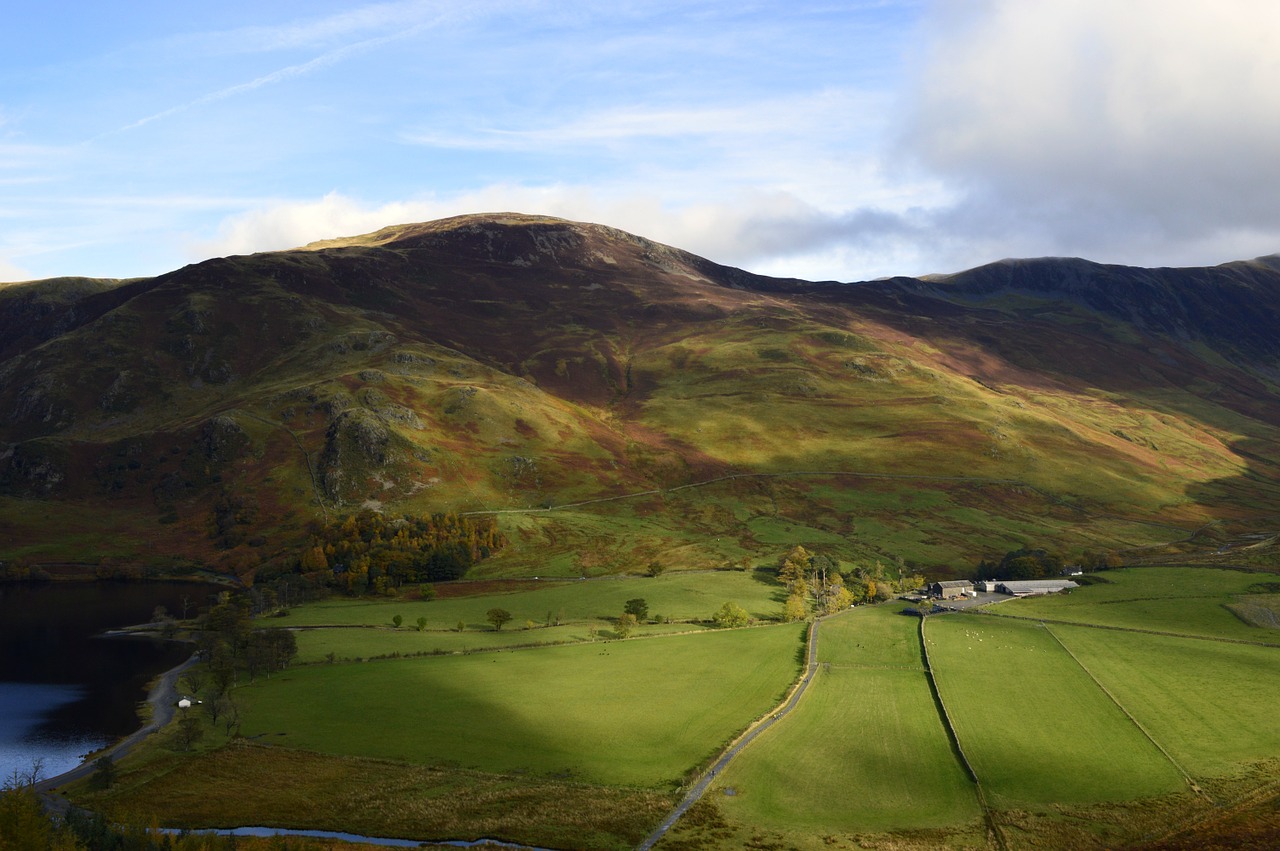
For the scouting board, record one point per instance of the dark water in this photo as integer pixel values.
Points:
(65, 691)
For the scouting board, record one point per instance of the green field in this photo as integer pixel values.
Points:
(679, 596)
(1035, 727)
(865, 756)
(356, 643)
(1212, 705)
(864, 751)
(1190, 601)
(871, 636)
(630, 713)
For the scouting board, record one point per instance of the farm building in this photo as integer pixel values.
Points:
(1030, 587)
(952, 590)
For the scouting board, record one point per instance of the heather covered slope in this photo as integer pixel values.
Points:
(517, 362)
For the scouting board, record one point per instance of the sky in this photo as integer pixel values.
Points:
(823, 140)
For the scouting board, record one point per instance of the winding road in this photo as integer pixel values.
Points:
(163, 700)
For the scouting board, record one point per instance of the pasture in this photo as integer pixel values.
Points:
(1211, 704)
(1190, 601)
(1035, 727)
(864, 751)
(630, 713)
(679, 596)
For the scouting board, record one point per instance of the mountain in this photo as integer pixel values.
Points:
(706, 416)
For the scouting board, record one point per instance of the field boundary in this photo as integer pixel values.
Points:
(988, 814)
(1195, 787)
(787, 474)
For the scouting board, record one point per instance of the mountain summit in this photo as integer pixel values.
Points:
(518, 363)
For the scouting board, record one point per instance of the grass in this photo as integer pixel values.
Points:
(864, 753)
(1036, 729)
(871, 636)
(1212, 705)
(865, 750)
(631, 713)
(251, 784)
(1183, 600)
(352, 643)
(680, 596)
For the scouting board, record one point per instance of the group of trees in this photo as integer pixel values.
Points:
(1033, 563)
(369, 552)
(817, 582)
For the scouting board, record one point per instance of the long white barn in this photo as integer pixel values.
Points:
(1030, 587)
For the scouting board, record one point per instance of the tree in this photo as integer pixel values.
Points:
(422, 624)
(24, 823)
(637, 607)
(190, 730)
(498, 617)
(794, 569)
(731, 615)
(104, 772)
(838, 599)
(396, 620)
(794, 608)
(654, 569)
(624, 624)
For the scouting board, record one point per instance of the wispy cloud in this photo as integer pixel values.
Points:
(324, 60)
(816, 115)
(310, 33)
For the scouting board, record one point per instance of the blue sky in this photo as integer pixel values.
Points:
(839, 140)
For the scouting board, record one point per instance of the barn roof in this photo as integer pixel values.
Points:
(1013, 586)
(955, 583)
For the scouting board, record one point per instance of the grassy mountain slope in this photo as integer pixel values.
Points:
(520, 363)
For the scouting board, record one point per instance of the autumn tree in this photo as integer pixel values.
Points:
(624, 624)
(731, 615)
(794, 570)
(794, 609)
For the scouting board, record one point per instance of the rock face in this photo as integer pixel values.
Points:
(510, 361)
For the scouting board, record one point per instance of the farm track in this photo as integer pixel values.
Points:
(735, 747)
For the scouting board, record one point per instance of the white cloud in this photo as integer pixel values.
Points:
(766, 232)
(11, 272)
(1104, 124)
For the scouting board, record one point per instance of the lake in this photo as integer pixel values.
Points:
(64, 690)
